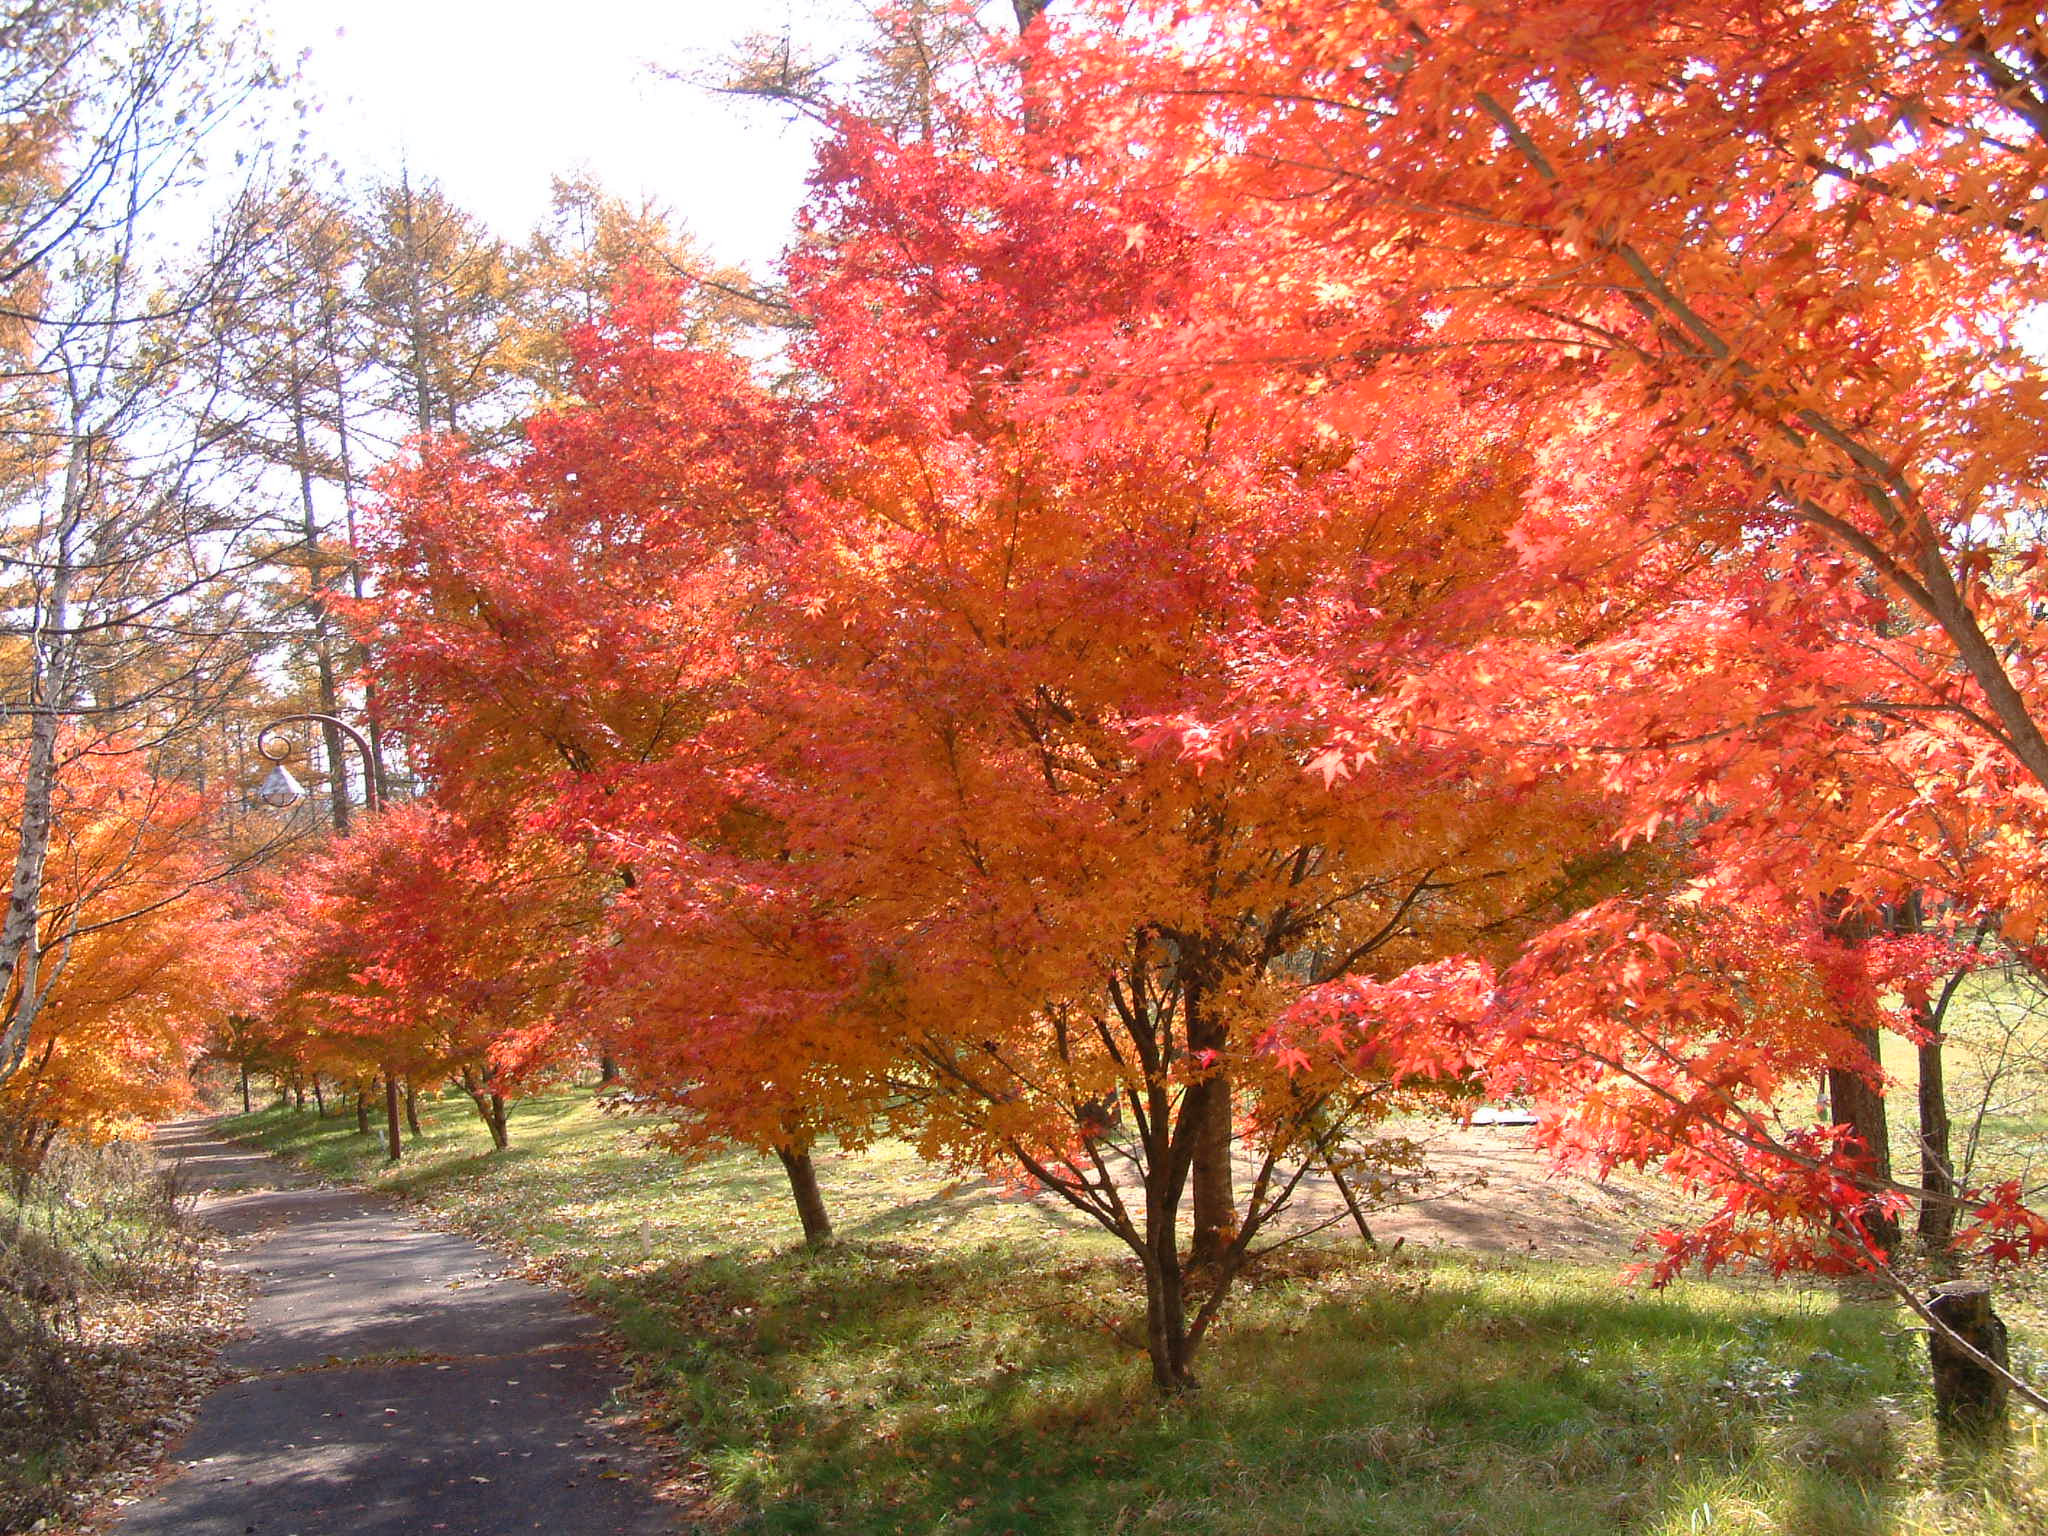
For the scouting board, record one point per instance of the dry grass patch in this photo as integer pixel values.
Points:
(111, 1319)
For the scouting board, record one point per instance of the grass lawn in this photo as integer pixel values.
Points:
(954, 1364)
(1997, 1081)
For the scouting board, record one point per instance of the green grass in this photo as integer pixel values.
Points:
(954, 1364)
(1996, 1074)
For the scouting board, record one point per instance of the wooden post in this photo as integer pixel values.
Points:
(1969, 1401)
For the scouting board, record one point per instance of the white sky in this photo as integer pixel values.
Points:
(492, 97)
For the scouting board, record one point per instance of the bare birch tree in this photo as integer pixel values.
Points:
(123, 524)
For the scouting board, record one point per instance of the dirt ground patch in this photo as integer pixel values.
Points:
(1490, 1191)
(1482, 1188)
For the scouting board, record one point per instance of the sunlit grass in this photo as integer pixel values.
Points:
(1996, 1076)
(955, 1364)
(586, 1183)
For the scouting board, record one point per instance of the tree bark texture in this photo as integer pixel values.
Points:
(1215, 1190)
(1351, 1202)
(1167, 1343)
(50, 681)
(1852, 1099)
(810, 1201)
(490, 1106)
(1937, 1218)
(1853, 1102)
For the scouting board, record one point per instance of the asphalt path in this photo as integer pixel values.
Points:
(394, 1382)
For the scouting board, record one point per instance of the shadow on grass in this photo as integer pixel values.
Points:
(911, 1379)
(896, 1219)
(884, 1387)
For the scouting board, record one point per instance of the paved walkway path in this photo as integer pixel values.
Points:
(393, 1384)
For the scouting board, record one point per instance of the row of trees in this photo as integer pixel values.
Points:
(1308, 561)
(1301, 561)
(207, 346)
(125, 532)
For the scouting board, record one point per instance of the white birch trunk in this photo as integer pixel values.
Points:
(50, 683)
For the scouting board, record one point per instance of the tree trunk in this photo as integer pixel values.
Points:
(1853, 1100)
(395, 1148)
(316, 600)
(1169, 1149)
(1166, 1313)
(607, 1070)
(377, 771)
(1215, 1216)
(362, 1113)
(412, 1110)
(246, 1107)
(298, 1093)
(1969, 1401)
(1207, 1110)
(50, 663)
(20, 957)
(24, 1145)
(44, 1143)
(1166, 1338)
(416, 319)
(810, 1202)
(490, 1105)
(1351, 1202)
(319, 1099)
(1937, 1218)
(331, 743)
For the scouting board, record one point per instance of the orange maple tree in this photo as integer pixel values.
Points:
(133, 947)
(564, 628)
(873, 695)
(424, 946)
(1759, 277)
(1251, 529)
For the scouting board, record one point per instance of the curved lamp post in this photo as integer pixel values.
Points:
(281, 791)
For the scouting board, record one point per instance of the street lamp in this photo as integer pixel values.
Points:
(281, 791)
